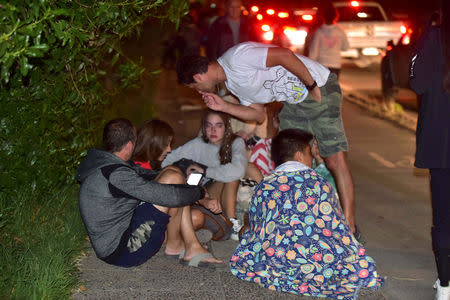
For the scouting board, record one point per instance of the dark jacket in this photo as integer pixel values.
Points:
(220, 36)
(433, 126)
(107, 206)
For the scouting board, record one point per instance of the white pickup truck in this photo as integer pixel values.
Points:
(367, 27)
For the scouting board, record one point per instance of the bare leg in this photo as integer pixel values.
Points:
(198, 219)
(229, 195)
(181, 234)
(337, 164)
(193, 246)
(175, 243)
(253, 173)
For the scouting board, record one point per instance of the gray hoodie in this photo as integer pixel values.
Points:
(107, 216)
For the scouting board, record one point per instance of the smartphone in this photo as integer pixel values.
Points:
(194, 178)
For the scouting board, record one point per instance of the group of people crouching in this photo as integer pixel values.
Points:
(134, 198)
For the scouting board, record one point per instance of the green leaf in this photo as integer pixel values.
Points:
(24, 66)
(62, 12)
(114, 59)
(37, 50)
(5, 69)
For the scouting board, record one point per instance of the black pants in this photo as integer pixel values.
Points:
(440, 193)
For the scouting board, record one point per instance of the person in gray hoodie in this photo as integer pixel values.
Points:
(124, 208)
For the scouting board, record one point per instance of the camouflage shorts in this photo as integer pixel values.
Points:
(323, 119)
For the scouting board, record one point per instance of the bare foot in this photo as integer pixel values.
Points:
(200, 250)
(174, 248)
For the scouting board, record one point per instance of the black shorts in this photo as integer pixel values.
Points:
(143, 239)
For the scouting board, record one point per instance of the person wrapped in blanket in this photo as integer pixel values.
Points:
(299, 241)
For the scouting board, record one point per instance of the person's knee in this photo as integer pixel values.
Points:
(171, 175)
(198, 218)
(335, 161)
(174, 211)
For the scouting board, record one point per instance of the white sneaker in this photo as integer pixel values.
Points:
(236, 228)
(442, 292)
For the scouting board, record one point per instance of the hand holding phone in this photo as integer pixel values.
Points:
(194, 178)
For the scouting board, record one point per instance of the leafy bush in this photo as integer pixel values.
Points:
(55, 57)
(61, 63)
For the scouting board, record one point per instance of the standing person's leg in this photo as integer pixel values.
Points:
(439, 179)
(337, 164)
(324, 121)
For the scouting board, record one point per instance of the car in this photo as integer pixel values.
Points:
(286, 27)
(368, 27)
(395, 64)
(396, 61)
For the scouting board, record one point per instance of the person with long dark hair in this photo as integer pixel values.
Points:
(430, 78)
(153, 143)
(223, 155)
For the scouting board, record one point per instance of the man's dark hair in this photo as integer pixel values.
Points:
(190, 65)
(287, 142)
(117, 133)
(330, 14)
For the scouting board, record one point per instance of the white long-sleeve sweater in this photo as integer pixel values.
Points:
(327, 44)
(208, 154)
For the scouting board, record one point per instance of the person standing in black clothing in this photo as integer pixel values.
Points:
(228, 30)
(430, 78)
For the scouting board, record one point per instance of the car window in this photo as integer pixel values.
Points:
(361, 13)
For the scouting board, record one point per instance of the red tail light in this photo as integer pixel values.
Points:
(406, 40)
(259, 17)
(297, 37)
(403, 29)
(270, 12)
(268, 36)
(307, 17)
(283, 15)
(254, 8)
(354, 3)
(265, 27)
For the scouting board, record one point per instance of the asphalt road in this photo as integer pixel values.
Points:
(393, 207)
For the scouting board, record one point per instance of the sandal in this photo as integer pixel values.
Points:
(197, 262)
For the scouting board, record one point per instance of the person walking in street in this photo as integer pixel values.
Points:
(328, 41)
(259, 73)
(430, 79)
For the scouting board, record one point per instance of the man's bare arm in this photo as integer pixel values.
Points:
(277, 56)
(254, 112)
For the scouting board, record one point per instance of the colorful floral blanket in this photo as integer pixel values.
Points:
(299, 241)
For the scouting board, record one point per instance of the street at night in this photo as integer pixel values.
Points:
(392, 205)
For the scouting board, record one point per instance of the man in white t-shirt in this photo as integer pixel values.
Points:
(259, 73)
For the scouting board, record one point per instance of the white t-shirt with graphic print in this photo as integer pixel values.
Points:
(252, 82)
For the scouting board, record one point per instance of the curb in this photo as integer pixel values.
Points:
(404, 119)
